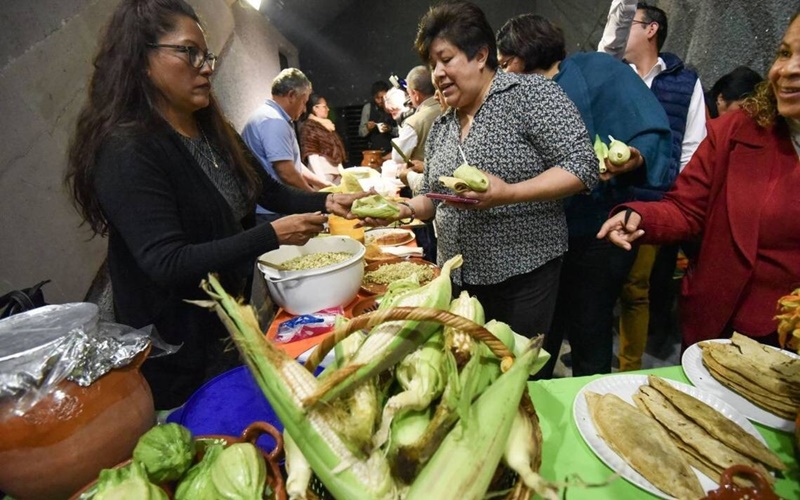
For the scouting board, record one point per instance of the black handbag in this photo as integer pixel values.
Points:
(17, 301)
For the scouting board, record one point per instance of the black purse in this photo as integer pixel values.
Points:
(17, 301)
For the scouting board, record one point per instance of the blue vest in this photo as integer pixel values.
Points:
(673, 88)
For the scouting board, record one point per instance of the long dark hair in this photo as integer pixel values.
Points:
(122, 98)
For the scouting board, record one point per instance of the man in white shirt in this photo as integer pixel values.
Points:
(680, 92)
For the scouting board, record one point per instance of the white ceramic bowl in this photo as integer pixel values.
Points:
(310, 290)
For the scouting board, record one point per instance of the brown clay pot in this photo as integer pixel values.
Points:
(372, 158)
(71, 435)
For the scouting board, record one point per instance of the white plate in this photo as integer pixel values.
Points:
(374, 234)
(625, 386)
(697, 373)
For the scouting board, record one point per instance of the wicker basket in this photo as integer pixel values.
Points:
(505, 484)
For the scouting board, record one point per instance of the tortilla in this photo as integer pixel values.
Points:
(648, 450)
(712, 364)
(717, 424)
(689, 433)
(754, 369)
(780, 409)
(787, 368)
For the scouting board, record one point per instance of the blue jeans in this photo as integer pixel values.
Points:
(591, 279)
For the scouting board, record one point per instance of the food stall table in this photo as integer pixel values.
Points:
(565, 454)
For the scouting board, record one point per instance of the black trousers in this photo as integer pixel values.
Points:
(526, 301)
(591, 279)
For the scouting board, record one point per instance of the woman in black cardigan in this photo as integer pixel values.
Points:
(154, 165)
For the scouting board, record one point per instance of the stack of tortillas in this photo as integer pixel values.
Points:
(671, 431)
(764, 376)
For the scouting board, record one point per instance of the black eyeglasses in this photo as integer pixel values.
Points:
(196, 58)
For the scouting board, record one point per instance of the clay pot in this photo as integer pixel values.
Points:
(372, 158)
(66, 439)
(251, 435)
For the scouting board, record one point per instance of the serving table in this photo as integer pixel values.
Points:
(566, 455)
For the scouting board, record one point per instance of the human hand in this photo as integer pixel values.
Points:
(635, 161)
(299, 228)
(498, 193)
(383, 128)
(622, 229)
(371, 125)
(417, 166)
(340, 203)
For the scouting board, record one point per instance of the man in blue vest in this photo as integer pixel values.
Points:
(679, 90)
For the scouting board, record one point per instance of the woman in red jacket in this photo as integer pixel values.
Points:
(740, 193)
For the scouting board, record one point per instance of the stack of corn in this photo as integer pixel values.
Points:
(399, 415)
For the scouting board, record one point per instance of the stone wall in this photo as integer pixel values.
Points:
(46, 49)
(369, 41)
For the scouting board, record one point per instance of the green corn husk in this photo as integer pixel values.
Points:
(375, 206)
(458, 395)
(286, 384)
(298, 470)
(421, 376)
(390, 342)
(601, 151)
(454, 184)
(461, 344)
(474, 177)
(618, 151)
(483, 433)
(523, 454)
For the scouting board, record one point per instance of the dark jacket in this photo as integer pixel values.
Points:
(613, 100)
(168, 227)
(673, 88)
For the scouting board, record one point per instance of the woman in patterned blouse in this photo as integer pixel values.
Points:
(526, 134)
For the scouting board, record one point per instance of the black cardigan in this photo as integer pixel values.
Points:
(168, 227)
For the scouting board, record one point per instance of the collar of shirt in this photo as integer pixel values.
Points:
(794, 133)
(279, 109)
(651, 75)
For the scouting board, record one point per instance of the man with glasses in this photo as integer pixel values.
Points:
(270, 135)
(647, 295)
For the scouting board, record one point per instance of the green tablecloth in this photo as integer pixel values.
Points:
(565, 453)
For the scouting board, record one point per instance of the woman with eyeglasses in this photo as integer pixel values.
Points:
(739, 194)
(155, 166)
(321, 148)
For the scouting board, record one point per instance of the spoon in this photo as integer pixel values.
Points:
(278, 267)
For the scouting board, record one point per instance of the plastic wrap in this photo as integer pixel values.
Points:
(41, 348)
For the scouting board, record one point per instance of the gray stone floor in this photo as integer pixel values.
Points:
(668, 355)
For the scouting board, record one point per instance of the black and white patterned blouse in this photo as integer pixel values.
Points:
(525, 126)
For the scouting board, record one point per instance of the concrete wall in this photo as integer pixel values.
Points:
(366, 43)
(46, 48)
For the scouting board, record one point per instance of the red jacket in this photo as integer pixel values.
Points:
(720, 194)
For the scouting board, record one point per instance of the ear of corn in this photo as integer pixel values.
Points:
(421, 376)
(523, 454)
(483, 433)
(390, 342)
(461, 344)
(298, 469)
(286, 383)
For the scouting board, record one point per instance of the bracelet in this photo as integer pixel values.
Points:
(413, 214)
